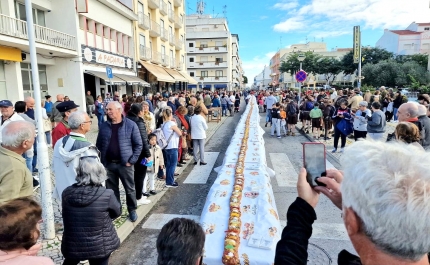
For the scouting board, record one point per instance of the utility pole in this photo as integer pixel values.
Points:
(42, 148)
(359, 65)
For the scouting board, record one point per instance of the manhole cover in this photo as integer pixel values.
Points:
(317, 255)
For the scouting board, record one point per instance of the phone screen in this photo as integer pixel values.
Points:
(314, 162)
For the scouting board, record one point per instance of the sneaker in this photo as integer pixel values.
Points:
(272, 135)
(152, 192)
(143, 201)
(174, 185)
(178, 165)
(293, 134)
(183, 162)
(265, 125)
(341, 150)
(132, 216)
(279, 137)
(145, 194)
(203, 163)
(334, 150)
(195, 163)
(327, 138)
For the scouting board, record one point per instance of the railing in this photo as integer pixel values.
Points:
(172, 39)
(178, 21)
(156, 57)
(155, 28)
(172, 62)
(178, 44)
(143, 21)
(179, 65)
(177, 2)
(145, 53)
(164, 34)
(165, 60)
(154, 4)
(163, 7)
(171, 15)
(18, 28)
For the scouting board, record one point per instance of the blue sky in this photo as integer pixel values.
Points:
(265, 26)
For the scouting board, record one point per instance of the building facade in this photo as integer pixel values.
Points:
(415, 39)
(263, 79)
(212, 54)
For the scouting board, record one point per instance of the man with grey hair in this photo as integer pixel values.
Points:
(425, 121)
(171, 103)
(120, 145)
(15, 178)
(69, 149)
(408, 112)
(386, 216)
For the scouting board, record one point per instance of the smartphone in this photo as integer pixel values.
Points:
(314, 160)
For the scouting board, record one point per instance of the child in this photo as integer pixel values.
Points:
(260, 104)
(283, 115)
(158, 161)
(316, 116)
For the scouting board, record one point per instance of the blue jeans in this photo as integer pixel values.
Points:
(34, 163)
(395, 113)
(268, 115)
(170, 161)
(224, 109)
(101, 119)
(48, 137)
(28, 162)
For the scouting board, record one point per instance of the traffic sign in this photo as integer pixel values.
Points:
(109, 72)
(301, 76)
(360, 77)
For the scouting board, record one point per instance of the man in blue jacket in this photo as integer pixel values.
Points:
(120, 145)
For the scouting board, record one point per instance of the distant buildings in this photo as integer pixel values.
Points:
(414, 39)
(212, 53)
(263, 79)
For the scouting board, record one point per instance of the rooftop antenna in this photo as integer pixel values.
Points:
(189, 8)
(201, 7)
(224, 11)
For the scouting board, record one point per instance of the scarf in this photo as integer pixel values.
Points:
(183, 120)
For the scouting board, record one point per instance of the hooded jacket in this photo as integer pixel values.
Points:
(87, 216)
(143, 133)
(67, 152)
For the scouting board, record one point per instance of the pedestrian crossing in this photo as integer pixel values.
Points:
(200, 174)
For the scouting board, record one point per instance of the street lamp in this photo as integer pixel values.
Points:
(301, 58)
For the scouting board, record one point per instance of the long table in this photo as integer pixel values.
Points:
(261, 229)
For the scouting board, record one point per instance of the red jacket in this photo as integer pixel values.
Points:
(60, 131)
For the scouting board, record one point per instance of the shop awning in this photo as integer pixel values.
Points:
(102, 75)
(159, 72)
(178, 77)
(189, 78)
(132, 80)
(220, 86)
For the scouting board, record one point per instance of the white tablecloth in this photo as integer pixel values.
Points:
(260, 221)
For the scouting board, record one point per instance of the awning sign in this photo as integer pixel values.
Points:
(96, 56)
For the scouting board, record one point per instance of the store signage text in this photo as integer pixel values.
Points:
(93, 55)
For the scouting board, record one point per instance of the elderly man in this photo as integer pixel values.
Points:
(89, 100)
(425, 122)
(69, 149)
(29, 101)
(355, 99)
(107, 99)
(385, 215)
(269, 102)
(171, 104)
(149, 100)
(56, 115)
(7, 115)
(15, 178)
(409, 112)
(66, 108)
(120, 145)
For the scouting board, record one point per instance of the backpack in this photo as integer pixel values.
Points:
(309, 106)
(161, 138)
(327, 111)
(291, 109)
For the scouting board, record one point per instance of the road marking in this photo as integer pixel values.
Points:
(326, 231)
(329, 165)
(285, 174)
(200, 174)
(157, 221)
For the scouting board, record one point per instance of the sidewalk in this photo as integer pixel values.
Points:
(52, 248)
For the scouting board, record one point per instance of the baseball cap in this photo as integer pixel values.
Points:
(6, 103)
(66, 106)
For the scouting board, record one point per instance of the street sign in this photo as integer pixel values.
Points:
(301, 76)
(109, 72)
(359, 77)
(357, 44)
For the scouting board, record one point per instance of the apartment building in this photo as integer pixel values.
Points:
(212, 54)
(160, 39)
(263, 79)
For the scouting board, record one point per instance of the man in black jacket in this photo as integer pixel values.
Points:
(425, 122)
(386, 215)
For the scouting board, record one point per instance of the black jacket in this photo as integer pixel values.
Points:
(292, 249)
(142, 128)
(425, 131)
(87, 216)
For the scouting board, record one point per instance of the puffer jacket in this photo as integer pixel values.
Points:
(143, 133)
(87, 216)
(130, 141)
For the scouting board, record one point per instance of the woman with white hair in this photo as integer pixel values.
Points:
(88, 211)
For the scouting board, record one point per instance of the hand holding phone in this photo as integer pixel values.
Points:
(314, 161)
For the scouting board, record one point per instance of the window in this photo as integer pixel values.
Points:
(142, 41)
(3, 90)
(163, 53)
(190, 44)
(27, 82)
(218, 60)
(204, 74)
(191, 59)
(192, 74)
(203, 44)
(140, 9)
(162, 24)
(218, 43)
(38, 15)
(204, 59)
(218, 73)
(426, 28)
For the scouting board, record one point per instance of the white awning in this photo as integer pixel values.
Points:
(102, 75)
(132, 80)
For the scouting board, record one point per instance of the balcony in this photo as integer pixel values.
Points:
(165, 60)
(17, 28)
(156, 57)
(172, 40)
(178, 44)
(143, 21)
(153, 4)
(212, 49)
(211, 79)
(164, 35)
(179, 65)
(163, 8)
(145, 53)
(171, 15)
(212, 64)
(172, 62)
(154, 30)
(178, 22)
(177, 3)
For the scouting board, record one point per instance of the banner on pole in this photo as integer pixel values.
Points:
(357, 44)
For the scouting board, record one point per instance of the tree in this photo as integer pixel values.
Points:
(369, 55)
(292, 64)
(421, 59)
(245, 79)
(330, 67)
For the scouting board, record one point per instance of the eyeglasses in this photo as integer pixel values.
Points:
(90, 122)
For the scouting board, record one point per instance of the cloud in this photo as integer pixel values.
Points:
(286, 5)
(322, 18)
(254, 67)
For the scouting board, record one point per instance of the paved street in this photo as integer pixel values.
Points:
(284, 156)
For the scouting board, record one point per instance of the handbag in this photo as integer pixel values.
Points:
(47, 125)
(345, 127)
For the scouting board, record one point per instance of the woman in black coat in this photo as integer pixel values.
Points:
(136, 114)
(88, 210)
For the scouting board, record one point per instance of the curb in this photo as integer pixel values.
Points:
(127, 227)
